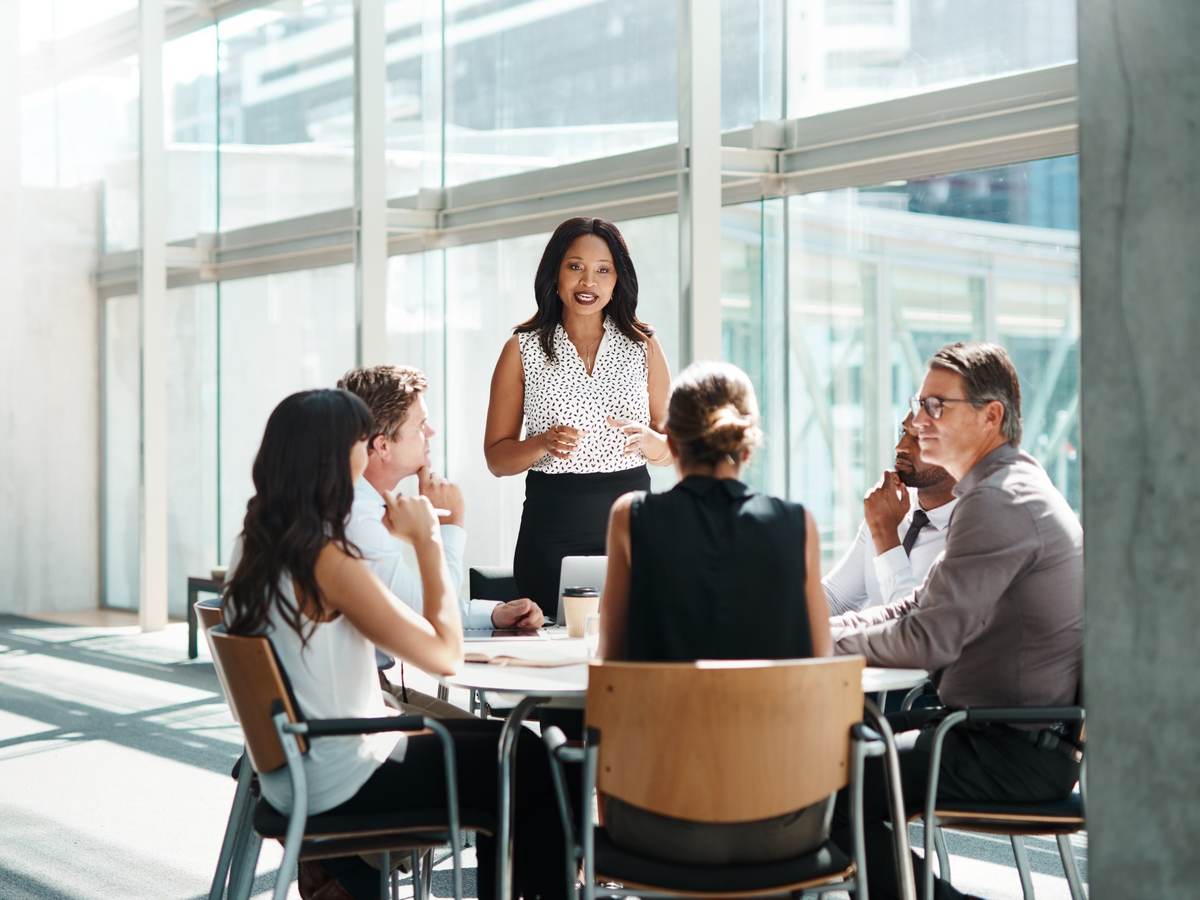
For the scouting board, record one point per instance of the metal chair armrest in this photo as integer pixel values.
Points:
(1024, 715)
(314, 728)
(913, 695)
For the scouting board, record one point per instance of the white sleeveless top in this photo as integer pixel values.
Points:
(562, 393)
(333, 677)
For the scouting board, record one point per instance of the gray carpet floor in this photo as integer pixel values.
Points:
(115, 752)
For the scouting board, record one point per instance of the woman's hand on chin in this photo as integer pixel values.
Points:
(410, 519)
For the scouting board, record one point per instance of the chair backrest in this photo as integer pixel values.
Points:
(208, 614)
(724, 741)
(492, 583)
(253, 683)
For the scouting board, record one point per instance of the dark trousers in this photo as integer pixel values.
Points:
(565, 515)
(990, 764)
(419, 782)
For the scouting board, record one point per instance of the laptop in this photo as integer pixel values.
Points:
(580, 571)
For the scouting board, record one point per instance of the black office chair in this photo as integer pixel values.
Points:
(492, 583)
(1060, 818)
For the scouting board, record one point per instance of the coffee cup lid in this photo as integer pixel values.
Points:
(581, 591)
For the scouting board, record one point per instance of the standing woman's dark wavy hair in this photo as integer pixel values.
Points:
(302, 499)
(622, 309)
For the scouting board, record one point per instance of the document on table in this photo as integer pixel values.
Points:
(506, 660)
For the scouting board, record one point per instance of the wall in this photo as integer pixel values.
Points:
(1140, 190)
(49, 377)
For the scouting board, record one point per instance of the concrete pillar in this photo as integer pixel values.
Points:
(1139, 77)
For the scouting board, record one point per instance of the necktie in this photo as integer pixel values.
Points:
(919, 521)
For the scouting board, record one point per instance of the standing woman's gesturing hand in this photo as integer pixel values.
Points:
(642, 438)
(560, 440)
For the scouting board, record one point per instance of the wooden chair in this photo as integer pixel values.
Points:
(1060, 818)
(238, 829)
(277, 738)
(718, 742)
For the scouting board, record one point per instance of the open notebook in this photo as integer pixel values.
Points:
(502, 660)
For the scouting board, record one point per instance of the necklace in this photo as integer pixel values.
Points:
(587, 354)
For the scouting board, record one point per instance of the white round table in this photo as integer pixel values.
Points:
(566, 685)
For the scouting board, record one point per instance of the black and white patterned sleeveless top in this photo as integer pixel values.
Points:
(562, 393)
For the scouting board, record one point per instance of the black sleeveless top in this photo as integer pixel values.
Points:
(717, 572)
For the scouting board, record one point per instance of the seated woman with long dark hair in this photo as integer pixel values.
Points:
(712, 570)
(296, 578)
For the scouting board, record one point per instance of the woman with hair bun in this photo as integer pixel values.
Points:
(713, 570)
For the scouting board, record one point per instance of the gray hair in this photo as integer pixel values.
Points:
(989, 374)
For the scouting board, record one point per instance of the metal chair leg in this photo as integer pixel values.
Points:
(385, 870)
(241, 876)
(1074, 882)
(235, 831)
(395, 884)
(1018, 845)
(416, 875)
(939, 843)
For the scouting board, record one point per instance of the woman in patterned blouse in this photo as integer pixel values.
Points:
(586, 382)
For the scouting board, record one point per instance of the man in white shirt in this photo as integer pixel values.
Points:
(898, 541)
(398, 449)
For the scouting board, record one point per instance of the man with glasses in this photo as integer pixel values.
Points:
(999, 618)
(905, 517)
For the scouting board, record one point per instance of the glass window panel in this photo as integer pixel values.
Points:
(882, 277)
(190, 116)
(81, 132)
(752, 326)
(844, 53)
(191, 439)
(752, 38)
(1038, 321)
(122, 438)
(287, 111)
(536, 83)
(279, 334)
(489, 289)
(414, 98)
(46, 21)
(829, 293)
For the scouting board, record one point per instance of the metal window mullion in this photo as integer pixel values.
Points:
(370, 182)
(699, 193)
(879, 402)
(152, 295)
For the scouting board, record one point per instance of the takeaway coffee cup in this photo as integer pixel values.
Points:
(579, 603)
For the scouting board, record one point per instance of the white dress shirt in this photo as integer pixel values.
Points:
(863, 579)
(395, 563)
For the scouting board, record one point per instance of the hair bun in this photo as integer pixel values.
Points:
(727, 429)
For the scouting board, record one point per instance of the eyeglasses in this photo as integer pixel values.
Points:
(933, 406)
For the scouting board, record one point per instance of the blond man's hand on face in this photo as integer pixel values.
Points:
(442, 494)
(884, 508)
(520, 613)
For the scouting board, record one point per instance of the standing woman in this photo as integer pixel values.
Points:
(588, 381)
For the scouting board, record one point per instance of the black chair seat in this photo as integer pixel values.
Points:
(270, 823)
(1051, 817)
(631, 869)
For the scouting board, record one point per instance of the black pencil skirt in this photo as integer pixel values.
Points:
(565, 515)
